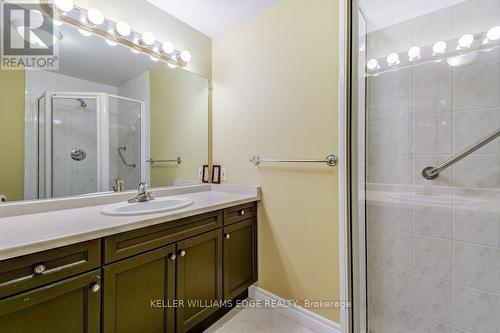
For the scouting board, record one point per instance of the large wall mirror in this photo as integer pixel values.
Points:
(107, 114)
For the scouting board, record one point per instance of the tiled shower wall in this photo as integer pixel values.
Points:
(74, 127)
(433, 246)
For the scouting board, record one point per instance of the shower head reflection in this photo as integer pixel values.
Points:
(82, 103)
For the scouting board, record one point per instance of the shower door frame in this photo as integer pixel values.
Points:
(353, 319)
(102, 125)
(144, 142)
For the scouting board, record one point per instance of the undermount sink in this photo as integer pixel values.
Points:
(158, 205)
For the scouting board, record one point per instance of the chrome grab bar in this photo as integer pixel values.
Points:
(178, 160)
(433, 172)
(133, 165)
(330, 160)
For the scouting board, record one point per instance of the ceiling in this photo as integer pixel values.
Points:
(213, 17)
(383, 13)
(90, 58)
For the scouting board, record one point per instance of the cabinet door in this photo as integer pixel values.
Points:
(138, 293)
(240, 257)
(199, 278)
(72, 305)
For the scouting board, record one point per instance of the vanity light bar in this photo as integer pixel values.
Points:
(439, 52)
(93, 22)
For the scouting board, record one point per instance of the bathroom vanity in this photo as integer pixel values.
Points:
(76, 257)
(163, 274)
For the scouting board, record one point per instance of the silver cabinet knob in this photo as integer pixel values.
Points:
(242, 212)
(39, 269)
(95, 287)
(172, 256)
(182, 253)
(227, 236)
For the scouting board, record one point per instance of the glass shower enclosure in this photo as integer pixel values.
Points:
(425, 172)
(87, 141)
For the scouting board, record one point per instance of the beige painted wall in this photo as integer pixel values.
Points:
(275, 94)
(12, 134)
(142, 16)
(179, 123)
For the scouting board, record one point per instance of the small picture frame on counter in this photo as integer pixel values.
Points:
(216, 170)
(205, 174)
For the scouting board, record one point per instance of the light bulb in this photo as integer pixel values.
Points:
(95, 16)
(461, 60)
(186, 56)
(110, 42)
(393, 59)
(56, 22)
(372, 64)
(36, 19)
(85, 32)
(174, 57)
(148, 38)
(414, 53)
(439, 48)
(493, 33)
(154, 58)
(64, 5)
(167, 47)
(123, 28)
(465, 41)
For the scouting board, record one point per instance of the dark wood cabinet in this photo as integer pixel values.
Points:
(72, 305)
(240, 257)
(139, 293)
(128, 244)
(166, 278)
(240, 213)
(199, 278)
(39, 269)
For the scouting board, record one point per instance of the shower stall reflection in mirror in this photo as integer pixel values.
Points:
(79, 139)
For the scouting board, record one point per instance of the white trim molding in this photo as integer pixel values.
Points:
(342, 154)
(305, 317)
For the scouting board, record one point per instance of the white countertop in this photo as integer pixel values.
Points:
(25, 234)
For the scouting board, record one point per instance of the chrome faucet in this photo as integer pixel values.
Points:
(119, 185)
(143, 195)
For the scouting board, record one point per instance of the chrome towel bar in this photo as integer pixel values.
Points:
(330, 160)
(433, 172)
(178, 160)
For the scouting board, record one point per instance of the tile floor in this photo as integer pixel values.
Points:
(253, 320)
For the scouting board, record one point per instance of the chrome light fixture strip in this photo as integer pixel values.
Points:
(140, 47)
(425, 54)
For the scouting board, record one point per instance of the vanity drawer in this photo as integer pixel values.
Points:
(134, 242)
(240, 213)
(34, 270)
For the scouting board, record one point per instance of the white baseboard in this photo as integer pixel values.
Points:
(297, 313)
